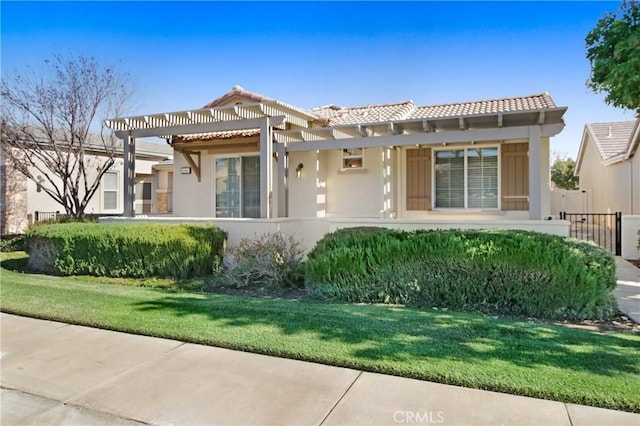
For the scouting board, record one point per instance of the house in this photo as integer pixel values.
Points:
(609, 168)
(609, 172)
(248, 156)
(22, 197)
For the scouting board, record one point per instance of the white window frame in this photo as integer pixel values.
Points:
(103, 190)
(215, 189)
(466, 178)
(345, 156)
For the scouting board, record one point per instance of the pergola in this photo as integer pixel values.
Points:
(285, 128)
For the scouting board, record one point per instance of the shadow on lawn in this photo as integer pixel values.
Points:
(392, 333)
(15, 264)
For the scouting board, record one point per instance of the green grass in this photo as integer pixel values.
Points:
(518, 357)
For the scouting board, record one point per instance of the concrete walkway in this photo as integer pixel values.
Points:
(60, 374)
(628, 289)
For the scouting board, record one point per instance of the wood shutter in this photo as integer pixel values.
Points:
(419, 179)
(515, 176)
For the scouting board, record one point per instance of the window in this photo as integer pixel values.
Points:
(110, 191)
(352, 158)
(466, 178)
(143, 198)
(237, 183)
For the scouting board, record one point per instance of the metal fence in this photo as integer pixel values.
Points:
(604, 229)
(45, 216)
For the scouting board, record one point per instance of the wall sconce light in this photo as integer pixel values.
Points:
(299, 170)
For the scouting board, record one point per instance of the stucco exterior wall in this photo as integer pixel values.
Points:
(190, 197)
(358, 192)
(634, 191)
(630, 229)
(308, 231)
(608, 188)
(562, 200)
(41, 201)
(22, 197)
(307, 197)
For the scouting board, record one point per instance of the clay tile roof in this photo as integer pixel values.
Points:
(492, 106)
(365, 114)
(237, 91)
(228, 134)
(611, 138)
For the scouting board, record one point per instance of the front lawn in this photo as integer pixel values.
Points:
(519, 357)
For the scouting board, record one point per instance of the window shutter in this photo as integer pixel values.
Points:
(419, 179)
(515, 177)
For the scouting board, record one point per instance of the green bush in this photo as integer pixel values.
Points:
(497, 272)
(270, 261)
(125, 249)
(12, 242)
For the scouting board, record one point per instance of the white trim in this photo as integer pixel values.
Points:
(348, 157)
(117, 190)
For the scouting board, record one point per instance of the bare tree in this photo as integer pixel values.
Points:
(52, 126)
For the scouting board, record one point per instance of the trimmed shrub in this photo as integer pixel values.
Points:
(125, 249)
(495, 272)
(12, 242)
(271, 260)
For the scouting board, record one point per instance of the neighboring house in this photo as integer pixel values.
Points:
(609, 168)
(245, 155)
(22, 198)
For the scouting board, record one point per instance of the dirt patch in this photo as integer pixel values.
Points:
(618, 323)
(635, 262)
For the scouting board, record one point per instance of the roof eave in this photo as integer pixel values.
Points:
(583, 146)
(634, 141)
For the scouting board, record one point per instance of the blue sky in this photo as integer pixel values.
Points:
(182, 55)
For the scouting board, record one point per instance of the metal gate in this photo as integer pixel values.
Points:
(604, 229)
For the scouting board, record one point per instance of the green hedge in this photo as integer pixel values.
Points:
(12, 242)
(496, 272)
(125, 249)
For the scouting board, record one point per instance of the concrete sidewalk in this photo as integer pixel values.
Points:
(55, 373)
(628, 289)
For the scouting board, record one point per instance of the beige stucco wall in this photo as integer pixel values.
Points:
(41, 201)
(307, 196)
(634, 191)
(608, 188)
(190, 197)
(630, 229)
(308, 231)
(355, 193)
(570, 201)
(22, 197)
(324, 189)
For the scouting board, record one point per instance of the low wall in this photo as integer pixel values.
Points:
(309, 231)
(630, 228)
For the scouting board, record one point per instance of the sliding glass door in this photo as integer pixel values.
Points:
(237, 181)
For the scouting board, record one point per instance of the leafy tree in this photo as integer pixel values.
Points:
(613, 49)
(46, 118)
(562, 172)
